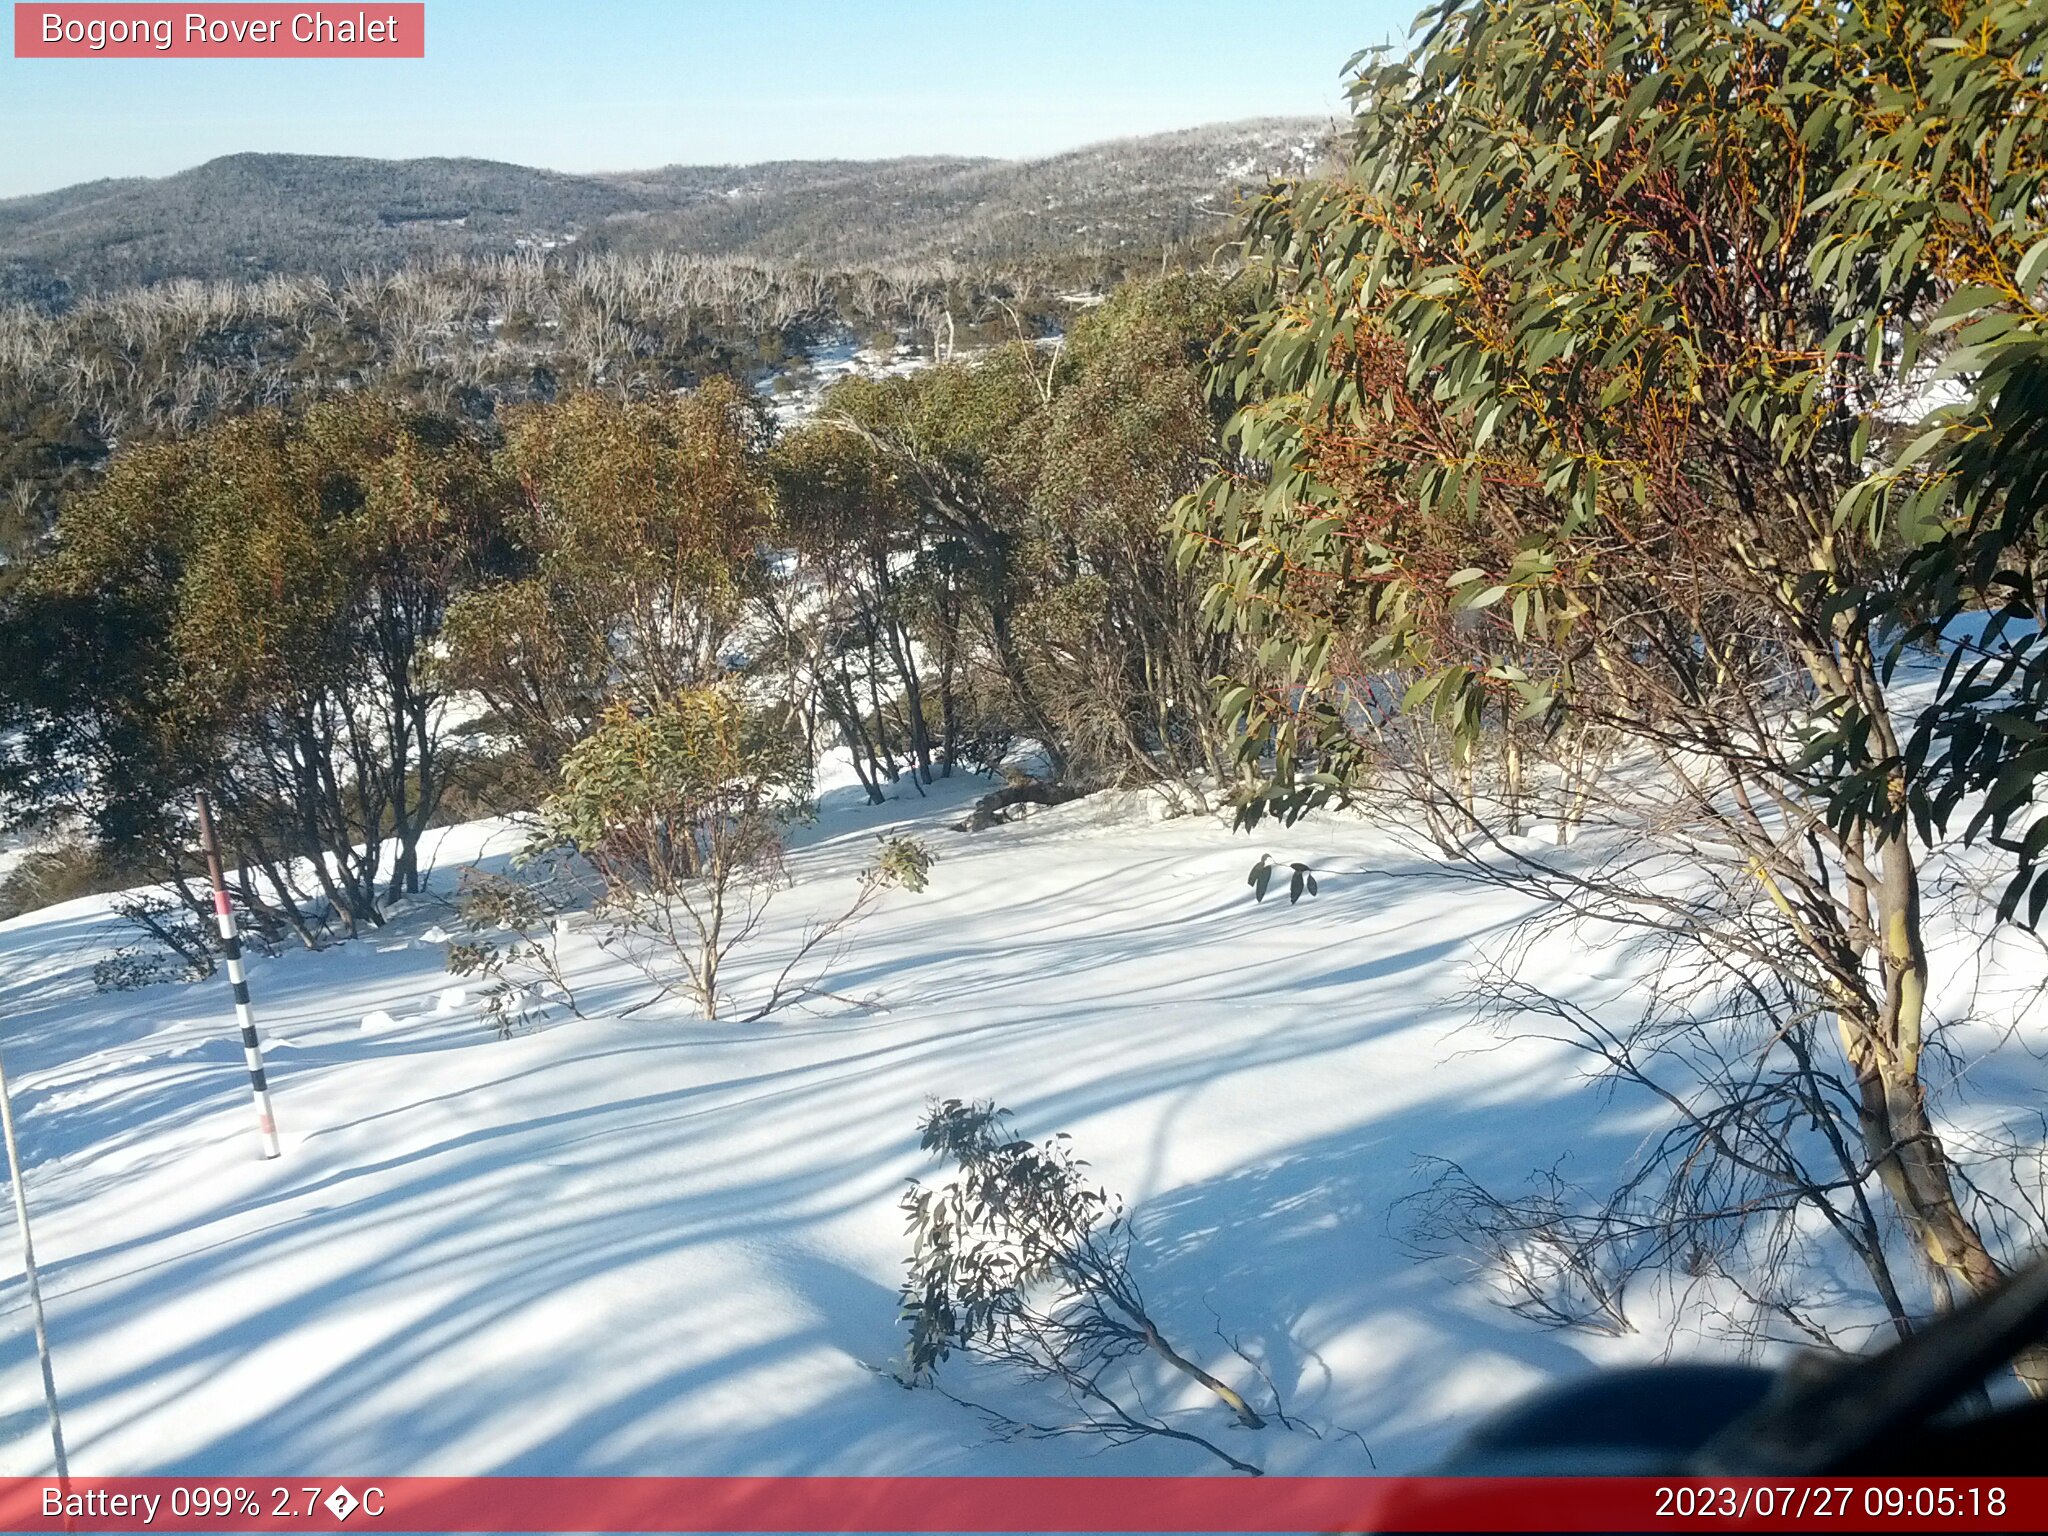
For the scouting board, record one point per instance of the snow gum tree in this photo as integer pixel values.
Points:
(680, 809)
(1964, 195)
(1131, 429)
(1561, 409)
(867, 586)
(254, 610)
(638, 541)
(1016, 501)
(957, 441)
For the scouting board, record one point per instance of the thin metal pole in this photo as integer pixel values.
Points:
(35, 1288)
(231, 941)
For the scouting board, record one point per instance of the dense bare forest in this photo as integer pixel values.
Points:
(465, 336)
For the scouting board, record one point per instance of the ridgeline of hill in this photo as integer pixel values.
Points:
(250, 215)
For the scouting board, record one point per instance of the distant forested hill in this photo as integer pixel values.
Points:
(249, 215)
(1129, 194)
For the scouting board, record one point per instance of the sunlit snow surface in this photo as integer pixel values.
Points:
(660, 1245)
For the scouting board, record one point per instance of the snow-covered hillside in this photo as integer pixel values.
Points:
(650, 1244)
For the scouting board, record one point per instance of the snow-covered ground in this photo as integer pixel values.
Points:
(654, 1244)
(795, 394)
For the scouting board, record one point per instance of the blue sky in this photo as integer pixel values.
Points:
(621, 84)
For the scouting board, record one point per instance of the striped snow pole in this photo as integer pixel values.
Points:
(231, 941)
(35, 1286)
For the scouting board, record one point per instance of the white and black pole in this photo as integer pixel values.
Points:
(231, 942)
(35, 1287)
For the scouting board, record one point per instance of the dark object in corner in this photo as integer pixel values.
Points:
(1914, 1409)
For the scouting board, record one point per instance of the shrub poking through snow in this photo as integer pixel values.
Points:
(904, 861)
(679, 810)
(128, 969)
(1020, 1262)
(516, 949)
(173, 945)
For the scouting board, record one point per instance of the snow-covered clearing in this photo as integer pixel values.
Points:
(660, 1245)
(795, 394)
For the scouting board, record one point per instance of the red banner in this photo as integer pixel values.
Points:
(1052, 1504)
(116, 31)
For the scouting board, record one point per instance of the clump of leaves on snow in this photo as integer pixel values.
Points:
(904, 861)
(1019, 1262)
